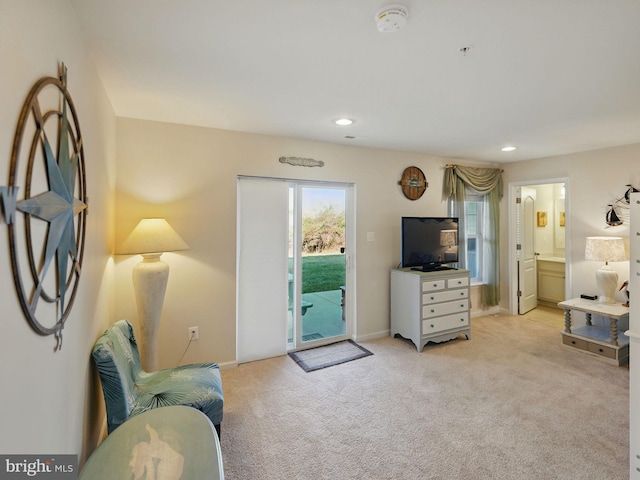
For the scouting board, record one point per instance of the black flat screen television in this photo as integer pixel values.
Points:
(429, 242)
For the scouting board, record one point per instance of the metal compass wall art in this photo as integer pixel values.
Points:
(47, 225)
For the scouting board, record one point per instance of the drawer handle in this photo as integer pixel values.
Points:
(600, 350)
(431, 325)
(432, 298)
(462, 319)
(462, 294)
(462, 305)
(435, 284)
(432, 311)
(573, 342)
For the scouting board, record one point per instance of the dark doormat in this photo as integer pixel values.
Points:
(329, 355)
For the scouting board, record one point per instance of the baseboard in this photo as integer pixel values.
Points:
(227, 365)
(371, 336)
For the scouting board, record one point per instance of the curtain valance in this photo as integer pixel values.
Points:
(481, 180)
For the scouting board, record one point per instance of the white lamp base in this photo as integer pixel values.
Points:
(607, 281)
(150, 283)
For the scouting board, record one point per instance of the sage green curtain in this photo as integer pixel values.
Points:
(488, 183)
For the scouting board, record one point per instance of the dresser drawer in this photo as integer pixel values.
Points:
(437, 297)
(602, 350)
(458, 282)
(446, 308)
(574, 342)
(447, 322)
(430, 286)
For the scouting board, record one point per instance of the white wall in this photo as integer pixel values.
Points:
(188, 174)
(50, 401)
(596, 179)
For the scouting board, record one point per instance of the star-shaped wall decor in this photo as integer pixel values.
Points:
(52, 229)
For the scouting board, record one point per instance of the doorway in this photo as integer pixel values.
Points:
(538, 231)
(276, 309)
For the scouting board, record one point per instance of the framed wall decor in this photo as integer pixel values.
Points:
(542, 219)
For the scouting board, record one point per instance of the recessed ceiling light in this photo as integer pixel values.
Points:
(343, 122)
(510, 148)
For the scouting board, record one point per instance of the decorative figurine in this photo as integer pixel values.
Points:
(626, 291)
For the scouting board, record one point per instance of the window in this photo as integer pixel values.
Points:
(473, 222)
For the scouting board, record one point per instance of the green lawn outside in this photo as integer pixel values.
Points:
(322, 273)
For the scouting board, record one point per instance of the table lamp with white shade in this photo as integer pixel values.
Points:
(151, 238)
(606, 249)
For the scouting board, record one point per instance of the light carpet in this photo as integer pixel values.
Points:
(329, 355)
(511, 403)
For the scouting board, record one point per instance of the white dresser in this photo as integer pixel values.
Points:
(430, 306)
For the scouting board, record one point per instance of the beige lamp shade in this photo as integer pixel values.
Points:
(152, 235)
(605, 249)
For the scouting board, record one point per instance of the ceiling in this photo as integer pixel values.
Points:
(549, 76)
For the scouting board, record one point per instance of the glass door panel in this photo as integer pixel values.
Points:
(317, 265)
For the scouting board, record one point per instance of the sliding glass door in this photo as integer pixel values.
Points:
(295, 285)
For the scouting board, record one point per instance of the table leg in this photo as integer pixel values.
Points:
(587, 316)
(614, 331)
(567, 320)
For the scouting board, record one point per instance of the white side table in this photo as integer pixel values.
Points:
(605, 342)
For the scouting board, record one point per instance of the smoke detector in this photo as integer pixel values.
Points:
(391, 18)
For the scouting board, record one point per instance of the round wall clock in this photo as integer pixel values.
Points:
(47, 241)
(413, 183)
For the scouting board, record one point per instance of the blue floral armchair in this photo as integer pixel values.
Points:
(128, 390)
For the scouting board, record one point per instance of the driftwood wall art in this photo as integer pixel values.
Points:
(301, 162)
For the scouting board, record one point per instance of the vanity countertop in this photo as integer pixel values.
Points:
(545, 258)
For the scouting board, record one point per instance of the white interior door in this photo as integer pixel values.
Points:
(528, 299)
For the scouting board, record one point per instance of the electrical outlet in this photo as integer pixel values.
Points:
(193, 333)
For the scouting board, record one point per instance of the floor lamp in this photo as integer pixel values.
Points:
(151, 238)
(606, 249)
